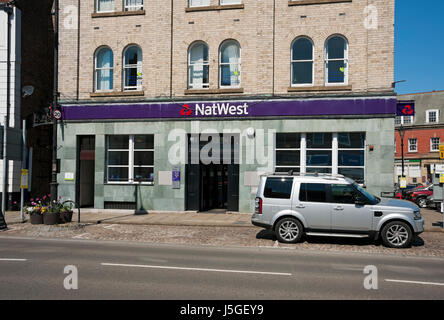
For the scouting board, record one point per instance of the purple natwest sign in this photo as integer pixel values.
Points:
(244, 109)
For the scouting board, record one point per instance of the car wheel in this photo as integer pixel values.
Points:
(289, 230)
(397, 234)
(422, 202)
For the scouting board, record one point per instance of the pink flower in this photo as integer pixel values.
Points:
(49, 195)
(15, 202)
(44, 197)
(32, 199)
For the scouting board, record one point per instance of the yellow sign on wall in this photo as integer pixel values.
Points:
(24, 179)
(441, 151)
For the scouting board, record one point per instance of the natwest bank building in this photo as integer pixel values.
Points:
(187, 118)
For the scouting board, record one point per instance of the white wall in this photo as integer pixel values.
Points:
(15, 94)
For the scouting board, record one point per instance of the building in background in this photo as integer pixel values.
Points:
(13, 46)
(308, 83)
(423, 134)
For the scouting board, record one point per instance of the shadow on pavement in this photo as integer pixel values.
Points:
(269, 235)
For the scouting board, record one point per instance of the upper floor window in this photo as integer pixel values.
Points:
(230, 64)
(223, 2)
(434, 144)
(198, 66)
(199, 3)
(132, 68)
(413, 145)
(432, 116)
(302, 62)
(132, 5)
(104, 64)
(336, 60)
(104, 5)
(403, 120)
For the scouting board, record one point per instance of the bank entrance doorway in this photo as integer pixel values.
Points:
(212, 173)
(86, 146)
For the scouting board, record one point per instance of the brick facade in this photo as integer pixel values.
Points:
(370, 50)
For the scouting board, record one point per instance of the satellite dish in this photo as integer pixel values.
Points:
(27, 91)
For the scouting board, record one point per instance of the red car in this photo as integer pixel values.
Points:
(419, 195)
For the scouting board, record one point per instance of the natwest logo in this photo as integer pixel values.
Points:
(215, 110)
(186, 111)
(221, 109)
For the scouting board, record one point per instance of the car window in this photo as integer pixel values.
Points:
(313, 192)
(279, 188)
(343, 193)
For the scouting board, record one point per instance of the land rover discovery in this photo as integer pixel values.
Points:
(332, 205)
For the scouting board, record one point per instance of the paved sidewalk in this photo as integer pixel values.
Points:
(152, 218)
(433, 219)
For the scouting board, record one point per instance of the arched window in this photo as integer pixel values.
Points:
(302, 62)
(132, 68)
(198, 66)
(230, 64)
(336, 60)
(104, 64)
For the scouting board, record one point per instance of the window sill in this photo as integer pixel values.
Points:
(129, 183)
(320, 88)
(309, 2)
(117, 94)
(118, 14)
(215, 8)
(214, 91)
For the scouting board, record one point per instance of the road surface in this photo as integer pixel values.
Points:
(34, 269)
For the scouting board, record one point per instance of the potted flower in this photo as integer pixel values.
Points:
(35, 213)
(65, 212)
(50, 214)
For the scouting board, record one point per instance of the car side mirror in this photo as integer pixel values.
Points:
(359, 201)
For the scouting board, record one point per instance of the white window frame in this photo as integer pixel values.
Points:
(293, 61)
(229, 64)
(403, 122)
(103, 11)
(229, 2)
(410, 144)
(335, 154)
(131, 152)
(132, 7)
(431, 144)
(96, 70)
(428, 115)
(203, 64)
(138, 66)
(300, 149)
(327, 60)
(195, 5)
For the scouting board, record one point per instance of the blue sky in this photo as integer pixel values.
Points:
(419, 45)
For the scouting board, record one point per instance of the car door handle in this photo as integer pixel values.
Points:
(338, 208)
(300, 206)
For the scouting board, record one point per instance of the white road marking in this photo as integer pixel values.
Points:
(194, 269)
(416, 282)
(7, 259)
(109, 226)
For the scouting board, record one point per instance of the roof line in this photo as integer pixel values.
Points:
(411, 94)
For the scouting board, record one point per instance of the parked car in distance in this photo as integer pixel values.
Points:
(400, 193)
(419, 195)
(332, 205)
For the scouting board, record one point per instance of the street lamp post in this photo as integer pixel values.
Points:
(54, 184)
(401, 135)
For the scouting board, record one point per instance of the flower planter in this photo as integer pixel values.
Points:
(66, 216)
(36, 218)
(50, 218)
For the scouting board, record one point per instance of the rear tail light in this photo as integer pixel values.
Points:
(258, 206)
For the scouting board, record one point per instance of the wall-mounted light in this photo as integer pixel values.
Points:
(250, 133)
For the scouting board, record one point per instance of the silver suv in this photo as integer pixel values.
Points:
(332, 205)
